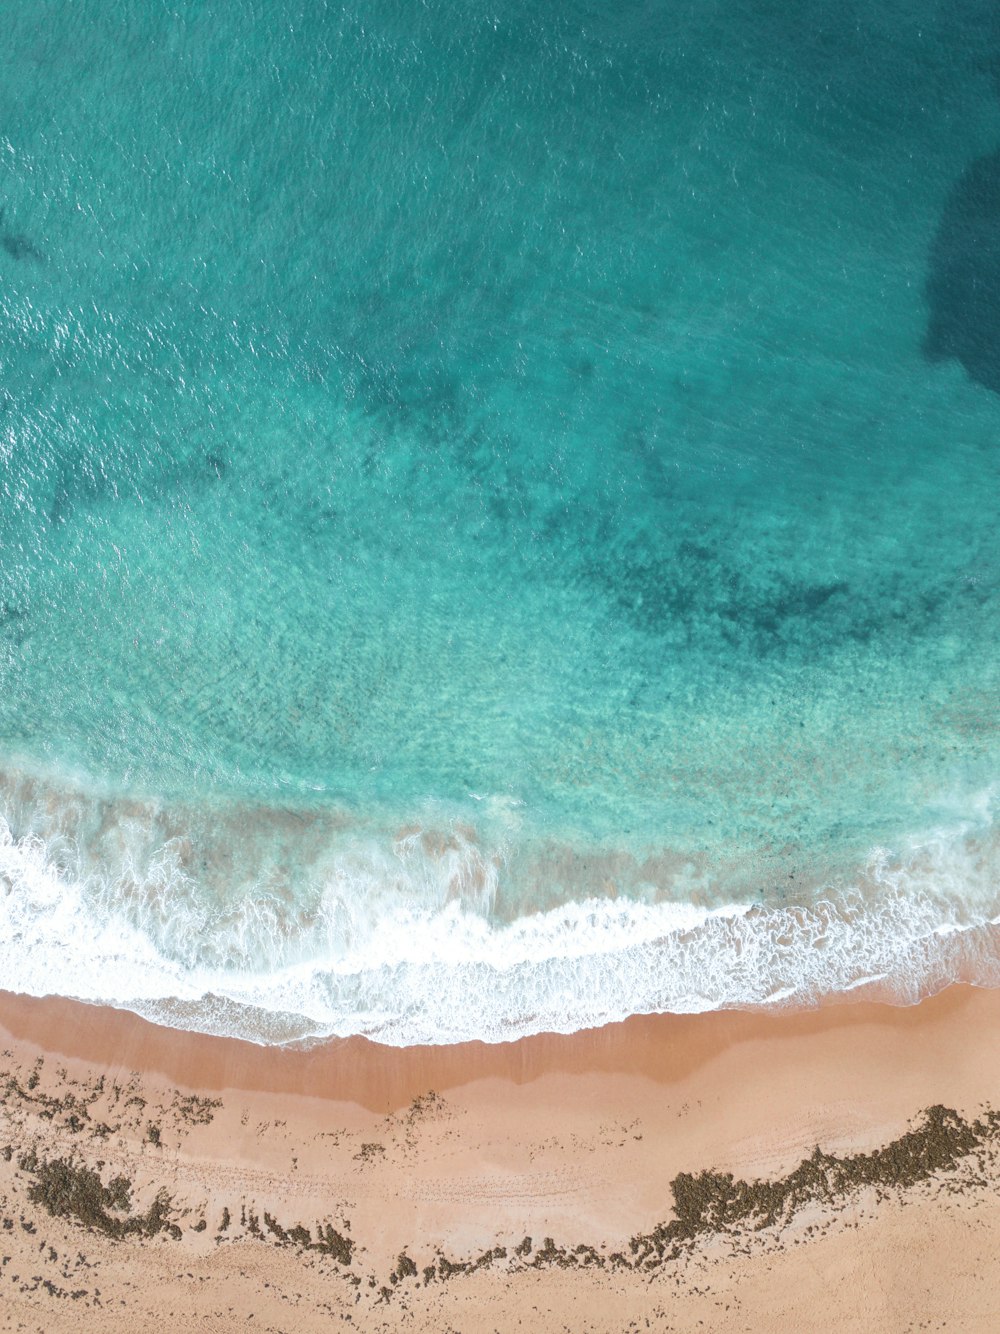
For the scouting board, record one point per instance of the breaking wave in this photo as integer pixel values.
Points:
(400, 942)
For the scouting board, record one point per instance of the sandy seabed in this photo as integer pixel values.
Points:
(835, 1169)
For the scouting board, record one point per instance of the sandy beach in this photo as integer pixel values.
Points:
(160, 1180)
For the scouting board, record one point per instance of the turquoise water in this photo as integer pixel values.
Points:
(489, 496)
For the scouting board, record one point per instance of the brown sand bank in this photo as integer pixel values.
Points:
(151, 1178)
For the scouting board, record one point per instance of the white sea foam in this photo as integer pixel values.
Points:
(390, 949)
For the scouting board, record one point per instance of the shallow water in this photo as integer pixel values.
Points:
(488, 498)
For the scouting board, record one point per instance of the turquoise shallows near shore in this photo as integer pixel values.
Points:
(499, 509)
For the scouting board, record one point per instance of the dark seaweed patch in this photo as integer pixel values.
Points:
(716, 1202)
(66, 1189)
(709, 1202)
(194, 1110)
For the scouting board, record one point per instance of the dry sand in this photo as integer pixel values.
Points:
(153, 1180)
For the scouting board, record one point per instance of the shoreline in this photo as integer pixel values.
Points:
(380, 1077)
(400, 1186)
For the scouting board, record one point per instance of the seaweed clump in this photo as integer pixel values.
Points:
(66, 1189)
(712, 1202)
(709, 1202)
(328, 1240)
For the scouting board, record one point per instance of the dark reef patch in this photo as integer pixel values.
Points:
(18, 246)
(13, 622)
(696, 589)
(81, 479)
(963, 277)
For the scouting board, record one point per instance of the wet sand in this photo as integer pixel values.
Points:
(154, 1178)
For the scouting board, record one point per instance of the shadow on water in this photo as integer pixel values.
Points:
(963, 278)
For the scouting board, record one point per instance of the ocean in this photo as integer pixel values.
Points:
(499, 509)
